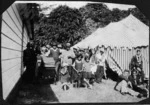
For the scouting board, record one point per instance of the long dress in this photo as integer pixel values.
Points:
(100, 67)
(78, 65)
(87, 70)
(64, 76)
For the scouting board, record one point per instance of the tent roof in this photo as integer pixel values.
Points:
(129, 32)
(138, 32)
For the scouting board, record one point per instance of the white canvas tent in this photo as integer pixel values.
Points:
(129, 32)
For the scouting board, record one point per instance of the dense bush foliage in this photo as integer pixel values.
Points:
(66, 24)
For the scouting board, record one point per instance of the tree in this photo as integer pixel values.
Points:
(99, 13)
(61, 25)
(66, 24)
(136, 12)
(117, 14)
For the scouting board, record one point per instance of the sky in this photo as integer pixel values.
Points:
(73, 4)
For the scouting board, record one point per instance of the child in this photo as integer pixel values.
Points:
(78, 64)
(125, 85)
(87, 73)
(64, 77)
(77, 69)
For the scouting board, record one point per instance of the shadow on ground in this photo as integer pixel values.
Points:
(35, 93)
(147, 101)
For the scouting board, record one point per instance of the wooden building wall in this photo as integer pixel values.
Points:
(11, 48)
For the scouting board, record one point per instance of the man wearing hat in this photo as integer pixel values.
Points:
(137, 64)
(67, 56)
(101, 58)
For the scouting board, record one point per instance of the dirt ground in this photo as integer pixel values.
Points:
(51, 93)
(100, 93)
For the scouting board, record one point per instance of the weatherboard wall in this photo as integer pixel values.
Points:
(12, 36)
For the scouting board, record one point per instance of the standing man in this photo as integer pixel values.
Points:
(101, 58)
(137, 64)
(29, 60)
(67, 56)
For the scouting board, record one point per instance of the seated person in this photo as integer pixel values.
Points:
(137, 64)
(137, 86)
(125, 86)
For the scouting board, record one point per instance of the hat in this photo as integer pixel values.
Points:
(102, 49)
(74, 48)
(81, 49)
(79, 55)
(126, 70)
(48, 46)
(28, 44)
(54, 44)
(59, 46)
(68, 44)
(138, 49)
(43, 49)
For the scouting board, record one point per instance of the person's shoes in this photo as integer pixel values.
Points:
(140, 96)
(83, 85)
(92, 84)
(56, 83)
(90, 87)
(91, 81)
(99, 82)
(124, 93)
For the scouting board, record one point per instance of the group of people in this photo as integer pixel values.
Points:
(84, 67)
(80, 67)
(133, 81)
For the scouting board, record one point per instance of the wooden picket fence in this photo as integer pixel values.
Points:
(122, 57)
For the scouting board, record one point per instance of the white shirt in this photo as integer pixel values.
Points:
(47, 53)
(64, 56)
(101, 59)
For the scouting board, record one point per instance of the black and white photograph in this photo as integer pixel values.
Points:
(74, 52)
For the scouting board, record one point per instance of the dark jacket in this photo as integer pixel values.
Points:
(29, 57)
(134, 82)
(55, 54)
(135, 63)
